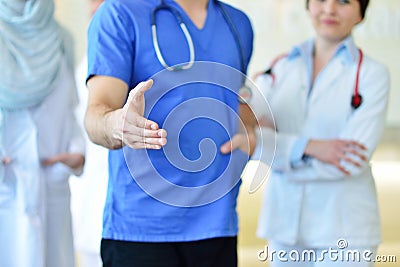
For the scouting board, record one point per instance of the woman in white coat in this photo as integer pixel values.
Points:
(40, 141)
(328, 103)
(89, 192)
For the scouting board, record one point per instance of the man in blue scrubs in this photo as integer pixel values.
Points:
(170, 204)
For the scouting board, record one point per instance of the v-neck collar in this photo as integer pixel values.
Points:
(201, 37)
(188, 21)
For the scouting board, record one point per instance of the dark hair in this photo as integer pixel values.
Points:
(363, 6)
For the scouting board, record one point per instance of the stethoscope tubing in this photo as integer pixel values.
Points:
(356, 99)
(185, 32)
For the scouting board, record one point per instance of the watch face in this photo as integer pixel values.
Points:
(245, 94)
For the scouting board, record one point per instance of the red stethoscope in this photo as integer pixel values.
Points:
(356, 99)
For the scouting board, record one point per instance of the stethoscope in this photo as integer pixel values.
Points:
(356, 99)
(188, 37)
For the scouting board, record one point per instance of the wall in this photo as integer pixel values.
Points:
(74, 15)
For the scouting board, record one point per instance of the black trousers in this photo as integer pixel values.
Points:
(214, 252)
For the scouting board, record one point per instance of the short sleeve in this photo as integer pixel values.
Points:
(111, 37)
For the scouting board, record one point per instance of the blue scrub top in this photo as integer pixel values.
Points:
(186, 191)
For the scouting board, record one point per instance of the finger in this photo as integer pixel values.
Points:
(155, 141)
(359, 145)
(350, 160)
(231, 145)
(351, 147)
(140, 122)
(133, 140)
(155, 133)
(236, 142)
(156, 147)
(144, 146)
(162, 133)
(357, 153)
(151, 125)
(355, 144)
(226, 147)
(140, 132)
(343, 170)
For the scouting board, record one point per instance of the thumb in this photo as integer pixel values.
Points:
(135, 102)
(140, 89)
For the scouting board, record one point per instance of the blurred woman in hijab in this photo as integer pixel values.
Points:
(40, 141)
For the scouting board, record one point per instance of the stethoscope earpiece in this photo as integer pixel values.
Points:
(356, 101)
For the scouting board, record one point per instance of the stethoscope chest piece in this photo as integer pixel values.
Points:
(356, 101)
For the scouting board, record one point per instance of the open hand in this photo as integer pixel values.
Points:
(137, 131)
(72, 160)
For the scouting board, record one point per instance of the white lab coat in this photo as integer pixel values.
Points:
(88, 192)
(314, 204)
(41, 236)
